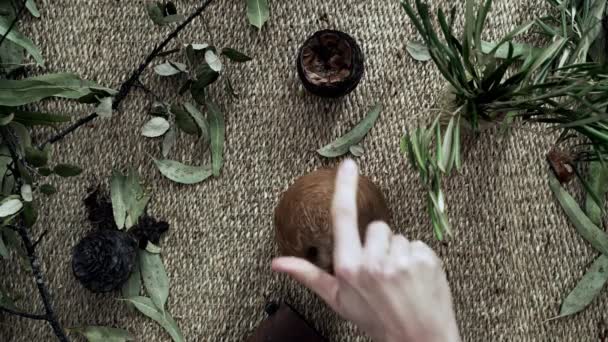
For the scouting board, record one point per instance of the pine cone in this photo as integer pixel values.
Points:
(103, 260)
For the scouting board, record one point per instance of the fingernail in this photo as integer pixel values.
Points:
(350, 167)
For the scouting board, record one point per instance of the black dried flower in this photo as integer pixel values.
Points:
(330, 63)
(99, 210)
(562, 165)
(103, 260)
(148, 229)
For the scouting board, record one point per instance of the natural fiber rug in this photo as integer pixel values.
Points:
(513, 258)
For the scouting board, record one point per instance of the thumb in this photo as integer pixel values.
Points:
(322, 283)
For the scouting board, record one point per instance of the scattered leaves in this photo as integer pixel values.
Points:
(155, 278)
(48, 189)
(257, 12)
(587, 288)
(356, 150)
(235, 55)
(10, 207)
(418, 51)
(342, 145)
(216, 134)
(67, 170)
(103, 334)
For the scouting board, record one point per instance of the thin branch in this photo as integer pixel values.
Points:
(23, 314)
(126, 86)
(14, 22)
(40, 238)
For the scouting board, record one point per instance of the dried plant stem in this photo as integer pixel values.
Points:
(126, 86)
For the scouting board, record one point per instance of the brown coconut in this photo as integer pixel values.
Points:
(303, 221)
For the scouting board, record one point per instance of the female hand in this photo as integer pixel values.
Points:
(391, 288)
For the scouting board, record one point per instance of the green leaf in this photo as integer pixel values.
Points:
(446, 149)
(47, 189)
(103, 334)
(184, 121)
(589, 231)
(200, 120)
(6, 119)
(104, 108)
(11, 57)
(235, 55)
(173, 18)
(341, 145)
(135, 198)
(170, 69)
(152, 248)
(257, 12)
(39, 119)
(26, 192)
(36, 157)
(598, 181)
(356, 150)
(22, 135)
(205, 75)
(132, 287)
(155, 12)
(168, 142)
(4, 253)
(45, 171)
(10, 207)
(155, 127)
(147, 307)
(216, 134)
(197, 90)
(117, 189)
(67, 170)
(30, 215)
(15, 93)
(31, 6)
(21, 40)
(520, 51)
(182, 173)
(213, 61)
(418, 51)
(587, 288)
(155, 278)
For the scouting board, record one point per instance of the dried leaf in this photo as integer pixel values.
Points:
(213, 60)
(182, 173)
(103, 334)
(168, 142)
(418, 51)
(146, 306)
(155, 278)
(26, 192)
(587, 288)
(155, 127)
(10, 207)
(216, 134)
(257, 12)
(67, 170)
(235, 55)
(341, 145)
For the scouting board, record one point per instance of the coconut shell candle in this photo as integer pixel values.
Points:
(303, 221)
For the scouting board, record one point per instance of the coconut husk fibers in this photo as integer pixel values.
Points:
(513, 257)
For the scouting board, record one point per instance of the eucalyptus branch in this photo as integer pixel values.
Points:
(24, 314)
(127, 86)
(14, 22)
(31, 251)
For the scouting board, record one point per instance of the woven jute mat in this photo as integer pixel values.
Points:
(513, 257)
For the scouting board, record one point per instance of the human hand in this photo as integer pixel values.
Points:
(393, 289)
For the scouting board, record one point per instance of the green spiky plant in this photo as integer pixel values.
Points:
(484, 91)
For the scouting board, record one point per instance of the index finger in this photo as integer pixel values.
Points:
(347, 243)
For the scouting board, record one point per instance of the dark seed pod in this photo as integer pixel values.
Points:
(103, 260)
(148, 229)
(562, 165)
(302, 218)
(330, 63)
